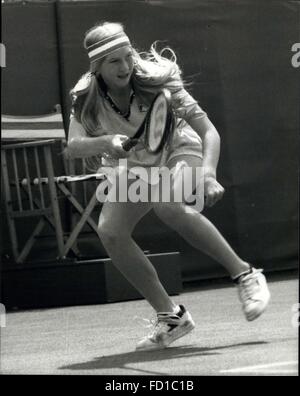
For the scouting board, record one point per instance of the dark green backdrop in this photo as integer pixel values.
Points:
(238, 55)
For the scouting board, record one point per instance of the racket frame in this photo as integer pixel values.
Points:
(145, 126)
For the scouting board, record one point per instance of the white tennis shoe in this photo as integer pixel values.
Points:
(167, 328)
(253, 293)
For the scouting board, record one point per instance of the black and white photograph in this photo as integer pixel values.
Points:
(149, 190)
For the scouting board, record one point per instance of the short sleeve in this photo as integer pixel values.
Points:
(186, 107)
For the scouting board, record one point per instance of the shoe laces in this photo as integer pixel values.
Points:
(163, 321)
(143, 322)
(247, 285)
(159, 323)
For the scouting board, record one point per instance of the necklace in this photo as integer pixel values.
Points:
(116, 108)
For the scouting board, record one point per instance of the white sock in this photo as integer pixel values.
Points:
(241, 274)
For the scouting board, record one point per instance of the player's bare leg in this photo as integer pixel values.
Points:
(203, 235)
(116, 224)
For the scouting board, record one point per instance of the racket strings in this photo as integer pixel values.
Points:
(158, 127)
(165, 137)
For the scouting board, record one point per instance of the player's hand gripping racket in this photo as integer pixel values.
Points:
(158, 125)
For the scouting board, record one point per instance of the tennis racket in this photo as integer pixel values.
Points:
(158, 125)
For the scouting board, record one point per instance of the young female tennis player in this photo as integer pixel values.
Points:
(109, 104)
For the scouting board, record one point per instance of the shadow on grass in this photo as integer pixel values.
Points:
(123, 360)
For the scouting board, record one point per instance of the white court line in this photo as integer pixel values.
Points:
(260, 366)
(279, 372)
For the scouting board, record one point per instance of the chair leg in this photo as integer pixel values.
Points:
(8, 206)
(12, 233)
(78, 207)
(84, 219)
(54, 202)
(38, 204)
(30, 242)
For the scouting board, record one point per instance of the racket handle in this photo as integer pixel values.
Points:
(128, 144)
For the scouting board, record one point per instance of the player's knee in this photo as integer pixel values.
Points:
(107, 232)
(169, 211)
(111, 233)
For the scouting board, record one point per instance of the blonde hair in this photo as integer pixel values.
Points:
(152, 71)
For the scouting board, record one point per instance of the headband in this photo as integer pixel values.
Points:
(108, 45)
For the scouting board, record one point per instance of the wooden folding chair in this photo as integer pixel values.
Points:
(74, 187)
(21, 163)
(30, 173)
